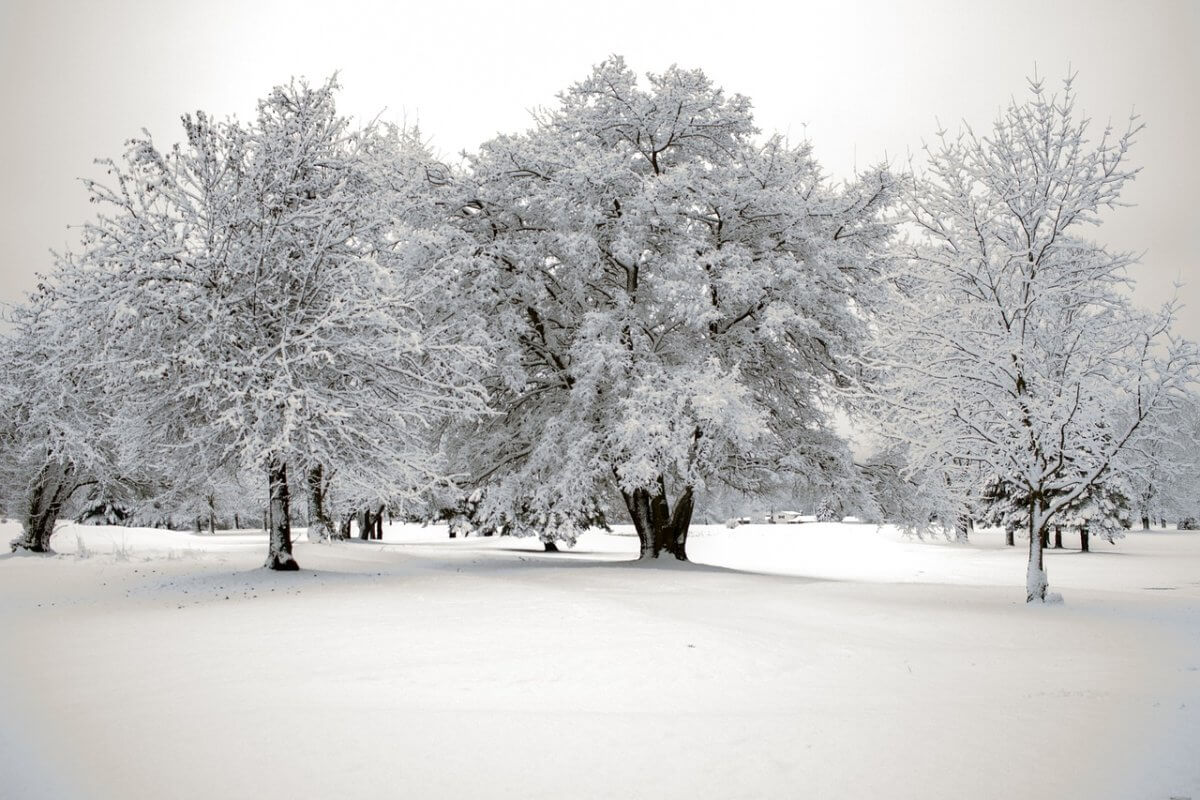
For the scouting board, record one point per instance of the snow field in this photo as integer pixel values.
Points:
(817, 660)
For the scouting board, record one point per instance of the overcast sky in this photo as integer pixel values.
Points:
(860, 79)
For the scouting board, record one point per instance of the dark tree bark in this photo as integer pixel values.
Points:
(1058, 537)
(549, 546)
(1145, 522)
(1045, 538)
(1009, 537)
(51, 489)
(379, 523)
(279, 554)
(1083, 540)
(212, 514)
(320, 526)
(660, 530)
(364, 524)
(237, 521)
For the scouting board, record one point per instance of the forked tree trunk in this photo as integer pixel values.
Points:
(1035, 575)
(660, 530)
(279, 554)
(50, 490)
(1083, 540)
(320, 526)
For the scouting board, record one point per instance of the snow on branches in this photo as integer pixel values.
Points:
(268, 301)
(673, 299)
(1010, 348)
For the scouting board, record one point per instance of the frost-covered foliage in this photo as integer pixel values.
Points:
(57, 431)
(1102, 511)
(672, 300)
(267, 296)
(1164, 465)
(1010, 344)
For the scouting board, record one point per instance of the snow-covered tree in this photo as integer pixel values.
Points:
(671, 300)
(56, 430)
(1164, 468)
(1011, 343)
(271, 308)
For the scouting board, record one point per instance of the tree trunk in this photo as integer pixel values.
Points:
(237, 521)
(1058, 537)
(1009, 537)
(549, 546)
(51, 489)
(364, 524)
(1035, 575)
(1045, 538)
(1083, 540)
(1145, 522)
(196, 526)
(343, 531)
(279, 554)
(212, 515)
(379, 523)
(320, 526)
(659, 529)
(962, 529)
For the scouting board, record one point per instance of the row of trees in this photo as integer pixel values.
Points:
(639, 298)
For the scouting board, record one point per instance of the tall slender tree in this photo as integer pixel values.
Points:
(1011, 343)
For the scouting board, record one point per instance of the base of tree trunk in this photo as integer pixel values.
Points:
(22, 544)
(550, 547)
(1058, 545)
(281, 562)
(1084, 544)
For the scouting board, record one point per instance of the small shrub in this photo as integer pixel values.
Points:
(1189, 524)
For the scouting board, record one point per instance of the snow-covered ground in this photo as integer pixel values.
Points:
(797, 661)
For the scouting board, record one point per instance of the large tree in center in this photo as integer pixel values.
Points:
(671, 300)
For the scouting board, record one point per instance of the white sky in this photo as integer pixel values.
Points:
(860, 79)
